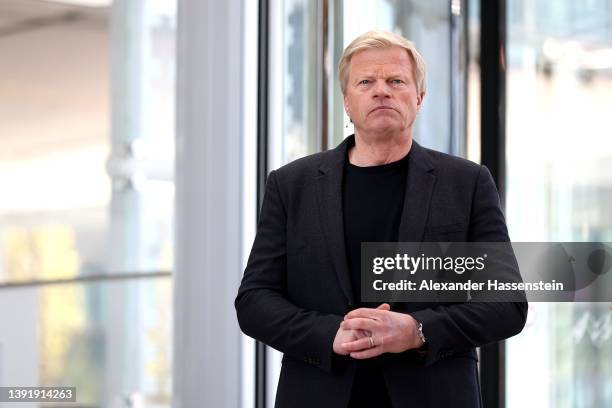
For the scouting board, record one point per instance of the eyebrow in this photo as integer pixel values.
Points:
(368, 75)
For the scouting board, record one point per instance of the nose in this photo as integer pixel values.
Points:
(381, 89)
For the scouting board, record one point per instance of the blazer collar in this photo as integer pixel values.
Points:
(419, 188)
(419, 158)
(329, 197)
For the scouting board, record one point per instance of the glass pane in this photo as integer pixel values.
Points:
(295, 78)
(429, 25)
(559, 178)
(306, 42)
(86, 155)
(111, 340)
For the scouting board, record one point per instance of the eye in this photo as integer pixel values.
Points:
(364, 82)
(397, 81)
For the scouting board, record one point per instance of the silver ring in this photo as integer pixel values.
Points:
(371, 341)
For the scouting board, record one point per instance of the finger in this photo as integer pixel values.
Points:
(369, 353)
(356, 345)
(364, 312)
(384, 306)
(359, 323)
(363, 333)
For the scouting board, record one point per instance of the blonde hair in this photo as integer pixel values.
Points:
(381, 39)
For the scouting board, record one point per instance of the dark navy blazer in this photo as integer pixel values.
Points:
(296, 288)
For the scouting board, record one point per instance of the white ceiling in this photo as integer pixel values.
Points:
(54, 77)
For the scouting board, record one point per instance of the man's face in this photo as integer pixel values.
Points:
(381, 94)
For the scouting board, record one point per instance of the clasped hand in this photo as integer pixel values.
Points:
(367, 333)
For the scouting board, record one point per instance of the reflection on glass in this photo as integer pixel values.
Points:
(559, 94)
(295, 74)
(46, 252)
(110, 340)
(86, 172)
(86, 157)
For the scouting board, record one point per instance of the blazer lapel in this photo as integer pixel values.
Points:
(419, 188)
(329, 195)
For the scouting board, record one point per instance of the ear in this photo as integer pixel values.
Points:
(420, 100)
(346, 106)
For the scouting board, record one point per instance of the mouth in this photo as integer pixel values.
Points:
(381, 108)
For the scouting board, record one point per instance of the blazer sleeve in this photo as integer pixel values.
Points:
(263, 310)
(458, 327)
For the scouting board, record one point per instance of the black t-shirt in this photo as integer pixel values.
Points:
(372, 199)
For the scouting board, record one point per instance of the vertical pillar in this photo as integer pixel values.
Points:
(493, 155)
(123, 356)
(209, 160)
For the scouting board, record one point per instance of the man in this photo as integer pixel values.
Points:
(301, 288)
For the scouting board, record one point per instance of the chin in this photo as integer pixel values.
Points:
(383, 127)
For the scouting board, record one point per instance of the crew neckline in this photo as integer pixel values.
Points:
(398, 164)
(395, 165)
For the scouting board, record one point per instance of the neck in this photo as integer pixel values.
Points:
(376, 150)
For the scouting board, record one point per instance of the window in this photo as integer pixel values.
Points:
(86, 159)
(559, 187)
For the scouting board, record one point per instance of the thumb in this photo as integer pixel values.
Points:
(384, 306)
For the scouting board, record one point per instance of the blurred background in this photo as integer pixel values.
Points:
(136, 135)
(86, 168)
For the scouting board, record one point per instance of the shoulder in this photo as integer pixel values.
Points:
(453, 164)
(296, 177)
(302, 165)
(451, 171)
(303, 168)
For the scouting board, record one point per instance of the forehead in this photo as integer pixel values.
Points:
(386, 59)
